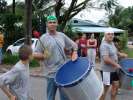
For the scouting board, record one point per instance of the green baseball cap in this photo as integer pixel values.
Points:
(51, 18)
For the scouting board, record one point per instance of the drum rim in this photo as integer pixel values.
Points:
(122, 69)
(78, 80)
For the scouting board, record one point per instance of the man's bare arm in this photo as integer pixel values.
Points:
(107, 60)
(38, 56)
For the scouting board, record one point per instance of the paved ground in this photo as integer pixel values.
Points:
(38, 88)
(130, 46)
(38, 91)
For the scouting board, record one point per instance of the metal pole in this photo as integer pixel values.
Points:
(28, 21)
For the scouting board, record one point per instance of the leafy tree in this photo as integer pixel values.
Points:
(43, 8)
(109, 5)
(19, 9)
(12, 32)
(122, 18)
(63, 14)
(3, 6)
(75, 8)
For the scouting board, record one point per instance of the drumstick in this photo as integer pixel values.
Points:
(44, 48)
(37, 35)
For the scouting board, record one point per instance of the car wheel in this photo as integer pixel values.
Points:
(9, 52)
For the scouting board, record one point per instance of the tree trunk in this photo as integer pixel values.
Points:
(28, 21)
(13, 7)
(62, 25)
(68, 14)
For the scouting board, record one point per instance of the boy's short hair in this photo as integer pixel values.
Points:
(24, 52)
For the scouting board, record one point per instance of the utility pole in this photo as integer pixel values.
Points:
(28, 21)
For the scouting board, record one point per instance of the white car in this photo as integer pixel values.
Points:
(130, 42)
(13, 49)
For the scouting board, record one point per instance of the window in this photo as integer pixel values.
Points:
(75, 21)
(19, 42)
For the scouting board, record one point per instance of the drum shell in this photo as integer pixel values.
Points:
(126, 77)
(125, 80)
(90, 88)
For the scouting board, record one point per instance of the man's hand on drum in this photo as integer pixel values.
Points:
(74, 55)
(118, 66)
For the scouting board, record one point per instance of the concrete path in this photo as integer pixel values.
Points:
(38, 91)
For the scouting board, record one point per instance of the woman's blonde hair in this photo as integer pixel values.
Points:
(92, 36)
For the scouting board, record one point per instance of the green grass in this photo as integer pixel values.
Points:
(34, 63)
(10, 59)
(129, 52)
(13, 59)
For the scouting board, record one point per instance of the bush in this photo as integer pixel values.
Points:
(13, 59)
(68, 31)
(34, 63)
(10, 59)
(123, 38)
(129, 52)
(12, 32)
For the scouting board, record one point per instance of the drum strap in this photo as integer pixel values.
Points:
(60, 49)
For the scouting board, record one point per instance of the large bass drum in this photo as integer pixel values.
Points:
(79, 81)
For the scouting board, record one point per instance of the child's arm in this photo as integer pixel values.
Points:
(8, 93)
(6, 79)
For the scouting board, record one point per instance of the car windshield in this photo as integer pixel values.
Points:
(19, 42)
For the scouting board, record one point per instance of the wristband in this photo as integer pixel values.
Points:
(75, 49)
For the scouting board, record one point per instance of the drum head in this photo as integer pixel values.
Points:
(72, 72)
(126, 64)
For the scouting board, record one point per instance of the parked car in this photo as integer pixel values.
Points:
(130, 42)
(13, 49)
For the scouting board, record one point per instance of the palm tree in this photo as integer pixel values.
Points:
(122, 18)
(109, 5)
(115, 19)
